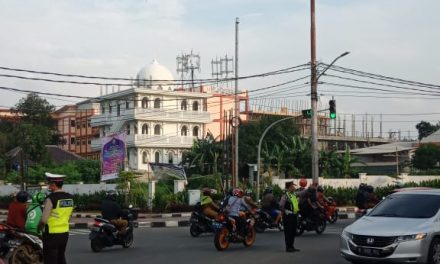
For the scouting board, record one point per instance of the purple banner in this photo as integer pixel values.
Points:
(112, 156)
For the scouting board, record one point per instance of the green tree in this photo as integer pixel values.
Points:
(35, 110)
(299, 155)
(426, 157)
(346, 164)
(425, 129)
(329, 164)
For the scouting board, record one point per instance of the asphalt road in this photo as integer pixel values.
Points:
(175, 245)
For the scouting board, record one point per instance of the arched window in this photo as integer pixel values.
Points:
(127, 128)
(127, 105)
(118, 109)
(157, 103)
(135, 128)
(183, 131)
(145, 102)
(145, 129)
(184, 105)
(159, 87)
(196, 106)
(157, 157)
(170, 158)
(109, 108)
(157, 129)
(196, 131)
(144, 157)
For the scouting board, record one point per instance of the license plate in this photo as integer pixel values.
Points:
(216, 225)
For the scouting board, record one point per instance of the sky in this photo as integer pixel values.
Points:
(115, 38)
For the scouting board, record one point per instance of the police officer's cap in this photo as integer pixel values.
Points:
(54, 177)
(290, 183)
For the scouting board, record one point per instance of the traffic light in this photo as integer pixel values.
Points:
(307, 113)
(332, 104)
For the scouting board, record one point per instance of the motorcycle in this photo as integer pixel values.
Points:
(105, 234)
(332, 213)
(19, 247)
(225, 231)
(200, 223)
(317, 224)
(263, 221)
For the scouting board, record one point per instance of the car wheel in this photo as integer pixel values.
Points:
(434, 251)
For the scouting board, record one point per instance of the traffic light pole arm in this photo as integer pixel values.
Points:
(259, 150)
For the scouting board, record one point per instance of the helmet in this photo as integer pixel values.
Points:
(112, 194)
(303, 182)
(248, 192)
(22, 196)
(320, 189)
(268, 190)
(39, 198)
(238, 192)
(206, 191)
(231, 191)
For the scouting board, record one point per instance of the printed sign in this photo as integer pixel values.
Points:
(112, 156)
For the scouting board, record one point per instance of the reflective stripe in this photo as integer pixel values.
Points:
(294, 202)
(58, 221)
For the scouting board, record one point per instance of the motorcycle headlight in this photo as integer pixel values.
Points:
(347, 235)
(418, 236)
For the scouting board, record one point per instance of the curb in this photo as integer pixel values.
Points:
(149, 224)
(170, 215)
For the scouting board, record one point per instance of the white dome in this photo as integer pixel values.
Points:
(155, 75)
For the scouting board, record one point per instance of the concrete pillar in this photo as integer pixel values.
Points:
(179, 185)
(151, 193)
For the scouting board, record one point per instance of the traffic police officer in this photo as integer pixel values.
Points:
(58, 208)
(289, 208)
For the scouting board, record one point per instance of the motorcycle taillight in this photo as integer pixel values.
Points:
(98, 224)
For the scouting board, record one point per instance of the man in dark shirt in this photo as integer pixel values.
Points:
(17, 211)
(111, 211)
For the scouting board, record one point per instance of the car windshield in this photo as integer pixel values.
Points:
(408, 206)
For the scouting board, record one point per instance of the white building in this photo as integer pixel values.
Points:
(160, 123)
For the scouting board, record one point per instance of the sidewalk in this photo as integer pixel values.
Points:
(85, 220)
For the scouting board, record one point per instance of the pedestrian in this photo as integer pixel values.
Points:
(289, 207)
(58, 208)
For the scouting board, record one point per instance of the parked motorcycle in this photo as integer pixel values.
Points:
(263, 221)
(317, 224)
(225, 232)
(332, 212)
(105, 234)
(19, 247)
(200, 223)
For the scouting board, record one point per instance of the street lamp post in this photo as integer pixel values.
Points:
(259, 151)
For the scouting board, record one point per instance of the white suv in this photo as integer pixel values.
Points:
(403, 228)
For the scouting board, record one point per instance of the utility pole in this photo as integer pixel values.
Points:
(236, 115)
(314, 94)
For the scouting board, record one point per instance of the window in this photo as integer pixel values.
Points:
(102, 109)
(127, 105)
(145, 102)
(196, 106)
(128, 156)
(184, 105)
(78, 142)
(72, 140)
(127, 128)
(396, 205)
(109, 108)
(89, 142)
(118, 109)
(196, 131)
(135, 128)
(145, 129)
(144, 157)
(89, 122)
(157, 157)
(170, 158)
(83, 142)
(157, 103)
(84, 123)
(157, 129)
(78, 125)
(159, 87)
(72, 123)
(183, 131)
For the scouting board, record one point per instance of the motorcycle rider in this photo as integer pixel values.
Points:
(209, 208)
(270, 205)
(321, 199)
(310, 206)
(111, 211)
(248, 199)
(17, 210)
(361, 196)
(34, 213)
(235, 202)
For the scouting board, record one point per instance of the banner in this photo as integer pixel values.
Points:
(165, 170)
(113, 155)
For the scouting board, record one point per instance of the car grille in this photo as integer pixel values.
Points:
(373, 241)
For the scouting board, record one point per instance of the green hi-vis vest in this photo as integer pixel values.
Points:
(294, 202)
(58, 221)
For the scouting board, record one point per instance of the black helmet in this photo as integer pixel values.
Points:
(112, 194)
(22, 196)
(320, 189)
(230, 191)
(268, 190)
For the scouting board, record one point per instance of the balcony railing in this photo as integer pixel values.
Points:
(152, 141)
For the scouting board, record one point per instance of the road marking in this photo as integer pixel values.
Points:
(74, 232)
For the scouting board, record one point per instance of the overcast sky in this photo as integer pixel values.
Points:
(397, 38)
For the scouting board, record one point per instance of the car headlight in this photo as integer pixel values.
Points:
(418, 236)
(347, 235)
